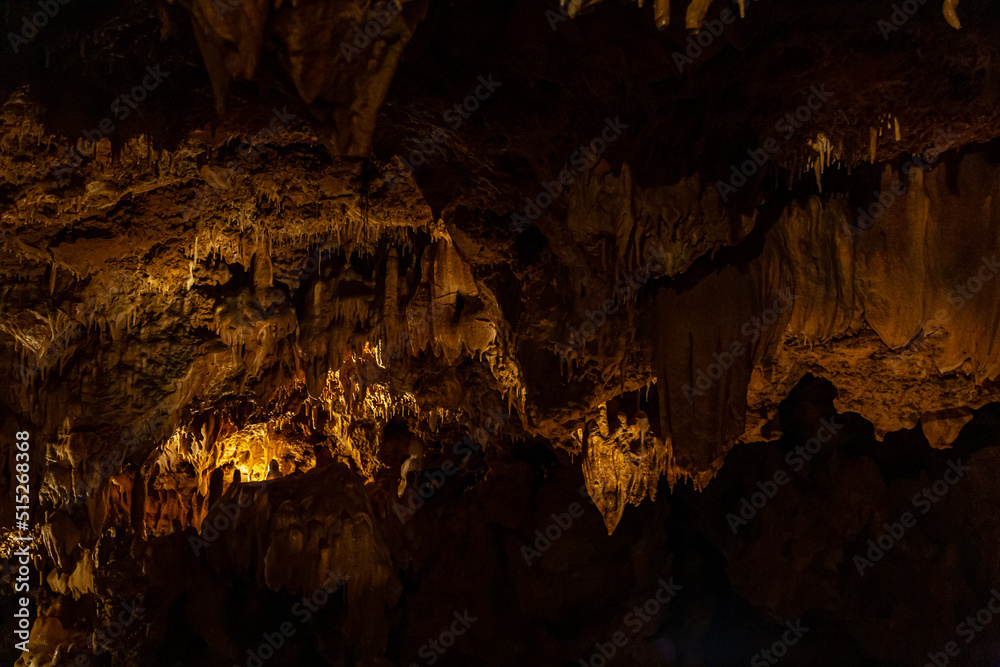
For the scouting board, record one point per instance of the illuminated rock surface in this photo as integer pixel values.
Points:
(341, 254)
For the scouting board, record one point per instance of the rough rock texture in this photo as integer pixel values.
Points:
(343, 286)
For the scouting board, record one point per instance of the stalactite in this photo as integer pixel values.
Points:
(950, 14)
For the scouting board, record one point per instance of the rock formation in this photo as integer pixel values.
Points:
(395, 333)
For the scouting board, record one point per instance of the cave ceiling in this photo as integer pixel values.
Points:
(290, 257)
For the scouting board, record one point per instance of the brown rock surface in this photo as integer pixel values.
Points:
(342, 283)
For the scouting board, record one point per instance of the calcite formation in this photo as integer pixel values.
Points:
(310, 324)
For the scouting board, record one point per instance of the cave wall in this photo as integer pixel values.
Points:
(312, 271)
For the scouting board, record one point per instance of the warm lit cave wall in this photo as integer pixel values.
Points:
(233, 326)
